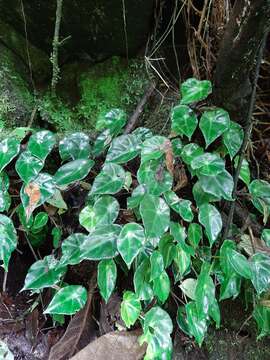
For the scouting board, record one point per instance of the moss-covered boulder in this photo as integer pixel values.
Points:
(16, 99)
(96, 29)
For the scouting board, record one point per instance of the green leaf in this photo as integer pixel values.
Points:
(153, 148)
(157, 264)
(75, 146)
(194, 234)
(230, 287)
(233, 138)
(190, 152)
(210, 218)
(184, 121)
(9, 148)
(101, 244)
(28, 166)
(220, 186)
(142, 133)
(57, 200)
(239, 263)
(5, 199)
(167, 249)
(130, 242)
(41, 144)
(260, 274)
(73, 171)
(182, 262)
(262, 316)
(155, 215)
(177, 147)
(182, 207)
(56, 234)
(181, 319)
(102, 141)
(188, 286)
(104, 212)
(266, 236)
(71, 249)
(8, 240)
(193, 90)
(41, 189)
(123, 149)
(68, 300)
(214, 312)
(200, 196)
(110, 180)
(214, 123)
(114, 120)
(141, 281)
(136, 197)
(155, 177)
(260, 191)
(244, 171)
(157, 328)
(208, 164)
(162, 287)
(205, 290)
(130, 308)
(40, 221)
(197, 323)
(44, 273)
(106, 279)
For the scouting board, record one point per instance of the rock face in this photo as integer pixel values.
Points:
(95, 27)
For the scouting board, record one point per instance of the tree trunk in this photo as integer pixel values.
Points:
(246, 29)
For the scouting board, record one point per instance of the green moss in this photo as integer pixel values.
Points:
(111, 84)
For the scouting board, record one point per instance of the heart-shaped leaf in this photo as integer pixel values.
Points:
(193, 90)
(8, 240)
(202, 197)
(36, 192)
(103, 212)
(136, 197)
(71, 249)
(162, 287)
(184, 121)
(28, 166)
(260, 274)
(233, 138)
(205, 290)
(123, 149)
(188, 286)
(130, 308)
(197, 323)
(9, 148)
(155, 214)
(194, 234)
(41, 144)
(75, 146)
(266, 236)
(208, 164)
(244, 171)
(68, 300)
(107, 274)
(157, 264)
(182, 207)
(73, 171)
(110, 180)
(239, 263)
(262, 316)
(220, 186)
(214, 123)
(167, 249)
(102, 141)
(190, 152)
(101, 244)
(141, 281)
(153, 148)
(155, 177)
(210, 218)
(130, 242)
(44, 273)
(5, 199)
(114, 120)
(40, 221)
(177, 146)
(143, 133)
(260, 192)
(181, 262)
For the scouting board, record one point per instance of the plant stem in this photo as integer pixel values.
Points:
(247, 132)
(56, 43)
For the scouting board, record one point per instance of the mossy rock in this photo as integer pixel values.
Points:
(16, 99)
(86, 91)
